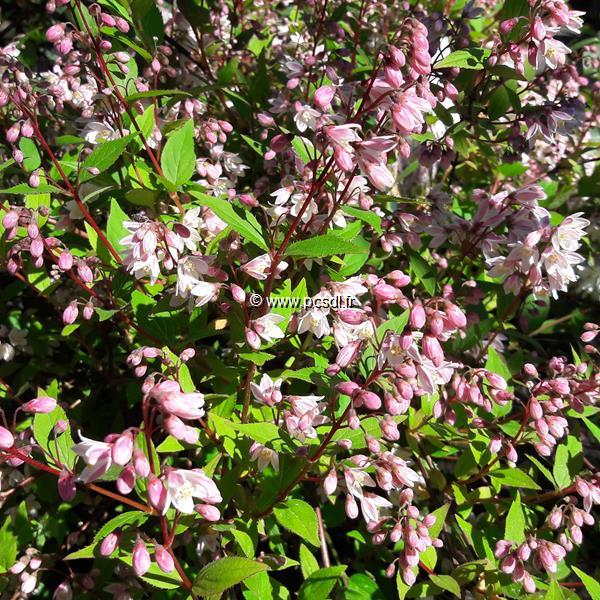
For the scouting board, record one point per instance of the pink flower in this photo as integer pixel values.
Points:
(173, 401)
(268, 391)
(97, 457)
(7, 440)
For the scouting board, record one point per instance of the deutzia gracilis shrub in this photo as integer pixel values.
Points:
(299, 299)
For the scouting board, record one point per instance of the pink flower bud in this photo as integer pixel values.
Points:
(140, 463)
(330, 482)
(88, 311)
(348, 354)
(66, 486)
(70, 313)
(496, 380)
(37, 247)
(280, 143)
(433, 350)
(126, 480)
(238, 294)
(155, 66)
(140, 558)
(40, 405)
(11, 219)
(352, 316)
(34, 180)
(157, 494)
(163, 558)
(385, 292)
(208, 511)
(55, 33)
(456, 316)
(60, 427)
(252, 339)
(323, 96)
(65, 261)
(6, 439)
(84, 272)
(122, 449)
(417, 316)
(109, 543)
(122, 24)
(371, 400)
(108, 20)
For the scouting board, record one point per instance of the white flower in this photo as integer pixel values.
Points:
(97, 457)
(314, 319)
(569, 232)
(306, 118)
(97, 132)
(185, 485)
(266, 327)
(551, 53)
(264, 456)
(260, 267)
(7, 352)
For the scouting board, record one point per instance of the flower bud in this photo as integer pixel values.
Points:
(122, 449)
(126, 480)
(66, 486)
(252, 339)
(40, 405)
(70, 313)
(323, 96)
(63, 591)
(6, 439)
(330, 482)
(237, 293)
(417, 316)
(208, 511)
(371, 400)
(109, 543)
(157, 494)
(351, 507)
(140, 463)
(163, 558)
(122, 24)
(140, 558)
(55, 33)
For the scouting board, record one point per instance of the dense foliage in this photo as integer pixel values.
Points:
(299, 299)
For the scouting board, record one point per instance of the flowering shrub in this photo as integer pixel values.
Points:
(298, 300)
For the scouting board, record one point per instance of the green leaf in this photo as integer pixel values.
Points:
(514, 478)
(178, 159)
(319, 584)
(593, 428)
(104, 156)
(300, 518)
(324, 245)
(514, 529)
(31, 155)
(23, 189)
(222, 574)
(561, 466)
(43, 430)
(402, 587)
(155, 577)
(155, 94)
(591, 585)
(542, 468)
(446, 583)
(554, 591)
(224, 210)
(496, 364)
(422, 271)
(115, 231)
(440, 518)
(134, 518)
(8, 547)
(471, 58)
(308, 563)
(373, 219)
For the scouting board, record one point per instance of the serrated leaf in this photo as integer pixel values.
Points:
(324, 245)
(319, 584)
(223, 574)
(224, 210)
(178, 159)
(373, 219)
(308, 563)
(300, 518)
(104, 156)
(514, 528)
